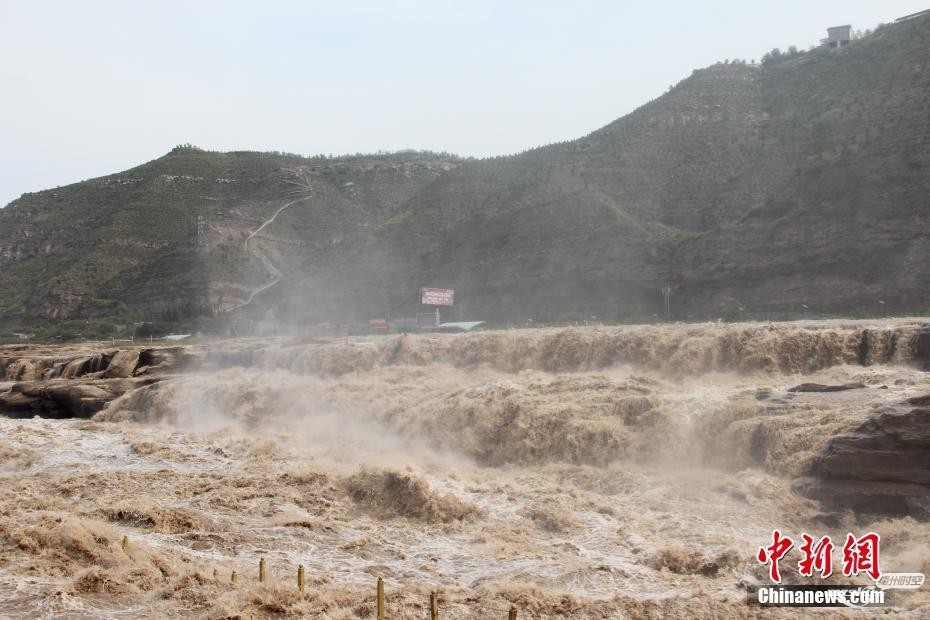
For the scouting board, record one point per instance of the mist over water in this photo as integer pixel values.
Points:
(574, 473)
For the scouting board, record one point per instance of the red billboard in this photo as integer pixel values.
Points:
(436, 296)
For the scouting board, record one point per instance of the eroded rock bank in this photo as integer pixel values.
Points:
(881, 467)
(922, 346)
(67, 382)
(66, 399)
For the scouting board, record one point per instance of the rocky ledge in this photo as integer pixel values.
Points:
(69, 384)
(881, 467)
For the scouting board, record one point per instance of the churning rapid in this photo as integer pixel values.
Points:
(577, 473)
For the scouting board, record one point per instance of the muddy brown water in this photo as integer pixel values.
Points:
(573, 473)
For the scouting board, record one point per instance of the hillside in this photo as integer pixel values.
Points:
(166, 240)
(752, 190)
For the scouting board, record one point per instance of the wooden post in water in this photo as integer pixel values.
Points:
(380, 598)
(300, 578)
(513, 613)
(433, 606)
(261, 570)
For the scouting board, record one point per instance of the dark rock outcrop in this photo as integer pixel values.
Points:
(920, 401)
(885, 498)
(819, 387)
(882, 467)
(922, 345)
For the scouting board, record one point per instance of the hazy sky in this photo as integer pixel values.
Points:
(90, 88)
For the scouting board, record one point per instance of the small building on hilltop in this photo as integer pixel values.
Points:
(837, 36)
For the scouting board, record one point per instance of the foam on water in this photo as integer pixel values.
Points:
(564, 466)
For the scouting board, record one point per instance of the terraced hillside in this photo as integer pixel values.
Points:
(751, 190)
(795, 186)
(167, 240)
